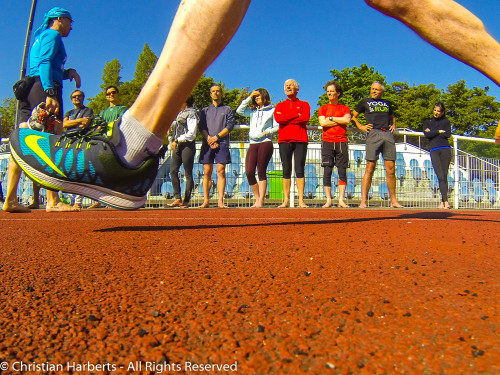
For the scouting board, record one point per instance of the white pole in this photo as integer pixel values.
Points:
(457, 192)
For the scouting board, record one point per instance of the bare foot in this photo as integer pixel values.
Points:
(175, 203)
(222, 205)
(184, 205)
(303, 205)
(60, 207)
(256, 205)
(95, 205)
(447, 206)
(441, 206)
(77, 207)
(396, 205)
(34, 206)
(327, 204)
(284, 205)
(204, 205)
(343, 205)
(14, 207)
(363, 205)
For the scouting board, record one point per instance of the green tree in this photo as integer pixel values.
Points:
(145, 65)
(470, 110)
(415, 104)
(356, 83)
(110, 77)
(7, 116)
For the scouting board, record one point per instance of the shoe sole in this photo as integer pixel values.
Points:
(105, 196)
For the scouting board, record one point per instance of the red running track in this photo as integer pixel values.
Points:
(290, 291)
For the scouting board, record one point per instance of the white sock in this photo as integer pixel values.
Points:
(137, 142)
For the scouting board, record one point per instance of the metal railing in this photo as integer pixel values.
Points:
(473, 182)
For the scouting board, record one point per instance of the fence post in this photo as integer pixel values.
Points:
(457, 192)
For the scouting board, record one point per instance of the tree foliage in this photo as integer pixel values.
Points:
(7, 116)
(145, 65)
(470, 110)
(110, 77)
(356, 83)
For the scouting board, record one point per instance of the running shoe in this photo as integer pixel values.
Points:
(42, 120)
(85, 162)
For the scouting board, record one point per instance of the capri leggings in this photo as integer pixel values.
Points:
(258, 156)
(334, 154)
(441, 159)
(297, 150)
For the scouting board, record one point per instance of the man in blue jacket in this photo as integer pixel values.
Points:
(46, 65)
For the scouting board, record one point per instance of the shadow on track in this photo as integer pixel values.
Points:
(445, 215)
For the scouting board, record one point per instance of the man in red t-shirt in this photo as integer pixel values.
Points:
(334, 117)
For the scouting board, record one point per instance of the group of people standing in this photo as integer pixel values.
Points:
(145, 124)
(289, 119)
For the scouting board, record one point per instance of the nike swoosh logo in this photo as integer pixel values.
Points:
(32, 142)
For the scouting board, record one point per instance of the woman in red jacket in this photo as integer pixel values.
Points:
(292, 114)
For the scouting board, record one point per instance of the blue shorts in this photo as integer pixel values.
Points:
(220, 155)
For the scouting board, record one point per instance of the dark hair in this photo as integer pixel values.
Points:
(77, 90)
(112, 87)
(216, 85)
(441, 106)
(190, 101)
(266, 100)
(337, 86)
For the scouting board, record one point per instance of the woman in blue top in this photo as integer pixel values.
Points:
(262, 125)
(438, 130)
(47, 58)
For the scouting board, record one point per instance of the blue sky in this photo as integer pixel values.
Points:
(278, 39)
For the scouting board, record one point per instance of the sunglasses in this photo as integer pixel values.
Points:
(76, 96)
(111, 93)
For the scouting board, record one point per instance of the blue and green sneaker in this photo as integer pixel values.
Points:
(84, 162)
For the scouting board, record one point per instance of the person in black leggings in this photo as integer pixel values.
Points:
(183, 151)
(438, 130)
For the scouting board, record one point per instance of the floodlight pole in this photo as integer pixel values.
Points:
(26, 49)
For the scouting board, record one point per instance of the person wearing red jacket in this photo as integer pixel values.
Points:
(292, 115)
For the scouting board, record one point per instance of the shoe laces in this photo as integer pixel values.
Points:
(96, 131)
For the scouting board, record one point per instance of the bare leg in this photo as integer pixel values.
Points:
(328, 193)
(342, 204)
(36, 196)
(262, 192)
(200, 31)
(287, 182)
(13, 175)
(259, 191)
(207, 184)
(221, 184)
(451, 28)
(390, 169)
(301, 183)
(256, 194)
(367, 182)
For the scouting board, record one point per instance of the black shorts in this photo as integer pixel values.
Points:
(335, 154)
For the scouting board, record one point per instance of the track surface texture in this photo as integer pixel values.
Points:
(269, 291)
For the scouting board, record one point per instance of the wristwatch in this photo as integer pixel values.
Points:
(330, 118)
(51, 92)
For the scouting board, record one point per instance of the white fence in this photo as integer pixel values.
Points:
(473, 182)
